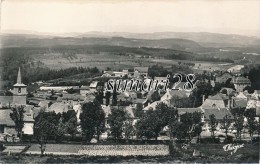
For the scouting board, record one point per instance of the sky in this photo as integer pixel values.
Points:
(64, 16)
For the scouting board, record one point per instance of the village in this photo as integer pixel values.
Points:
(221, 115)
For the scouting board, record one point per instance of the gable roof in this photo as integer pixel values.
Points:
(241, 95)
(218, 101)
(240, 102)
(241, 80)
(74, 97)
(58, 107)
(130, 111)
(93, 84)
(5, 118)
(89, 98)
(219, 113)
(179, 93)
(152, 105)
(218, 97)
(6, 100)
(28, 118)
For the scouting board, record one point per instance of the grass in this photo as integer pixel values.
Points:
(213, 153)
(103, 60)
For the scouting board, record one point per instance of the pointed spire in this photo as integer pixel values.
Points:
(19, 79)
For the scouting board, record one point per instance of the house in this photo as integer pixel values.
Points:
(138, 101)
(93, 86)
(172, 93)
(253, 104)
(223, 77)
(219, 113)
(239, 103)
(59, 107)
(96, 86)
(42, 94)
(123, 97)
(33, 101)
(28, 124)
(107, 74)
(7, 125)
(6, 101)
(152, 106)
(216, 101)
(123, 73)
(256, 95)
(89, 98)
(44, 104)
(141, 72)
(240, 83)
(57, 88)
(71, 99)
(227, 91)
(242, 95)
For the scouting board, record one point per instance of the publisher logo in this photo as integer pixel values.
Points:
(232, 148)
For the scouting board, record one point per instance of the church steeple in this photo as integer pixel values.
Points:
(19, 83)
(19, 91)
(19, 78)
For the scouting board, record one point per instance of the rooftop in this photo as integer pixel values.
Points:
(141, 69)
(219, 113)
(5, 118)
(241, 80)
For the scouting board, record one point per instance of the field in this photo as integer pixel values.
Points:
(116, 62)
(100, 60)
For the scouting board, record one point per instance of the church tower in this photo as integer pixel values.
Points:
(19, 91)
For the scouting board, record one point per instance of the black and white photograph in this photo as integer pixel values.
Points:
(129, 81)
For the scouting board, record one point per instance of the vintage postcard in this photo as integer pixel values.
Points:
(129, 81)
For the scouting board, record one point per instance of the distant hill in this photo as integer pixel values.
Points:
(193, 41)
(13, 40)
(203, 38)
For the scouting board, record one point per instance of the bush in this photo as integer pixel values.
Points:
(229, 139)
(256, 139)
(210, 140)
(2, 147)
